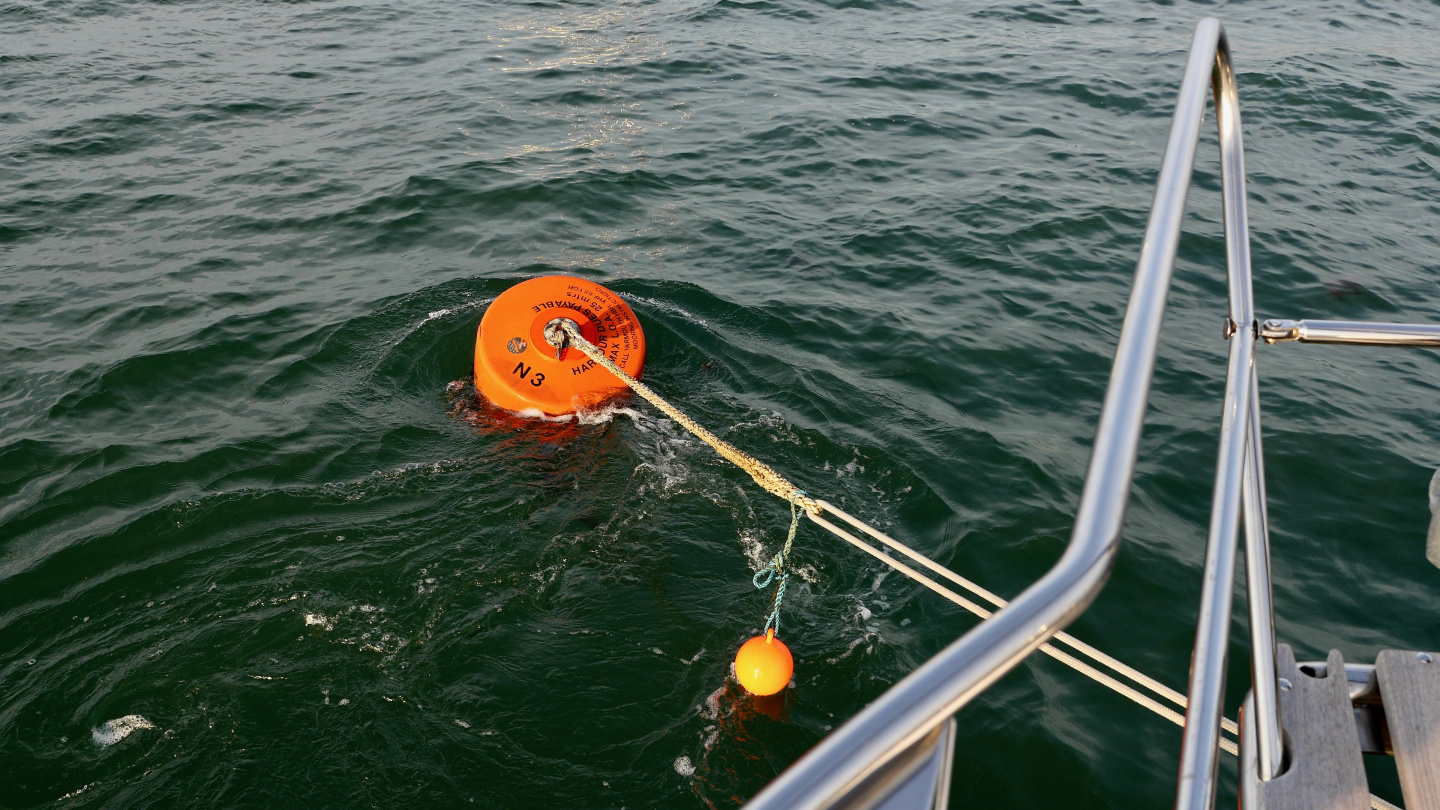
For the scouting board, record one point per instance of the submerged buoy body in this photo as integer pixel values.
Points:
(517, 368)
(763, 665)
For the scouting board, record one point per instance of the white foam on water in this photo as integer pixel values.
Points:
(880, 578)
(666, 306)
(607, 414)
(319, 620)
(751, 542)
(684, 766)
(536, 413)
(113, 731)
(437, 314)
(598, 416)
(72, 794)
(711, 711)
(869, 636)
(441, 313)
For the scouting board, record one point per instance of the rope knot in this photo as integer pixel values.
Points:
(767, 575)
(775, 567)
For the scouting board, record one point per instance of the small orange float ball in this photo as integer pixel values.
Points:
(764, 665)
(517, 369)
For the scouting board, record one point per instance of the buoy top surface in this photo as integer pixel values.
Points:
(517, 369)
(764, 665)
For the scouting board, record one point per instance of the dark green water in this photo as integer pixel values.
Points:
(246, 494)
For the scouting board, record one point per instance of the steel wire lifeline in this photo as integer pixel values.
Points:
(776, 484)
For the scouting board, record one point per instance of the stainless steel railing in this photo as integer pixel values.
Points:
(916, 706)
(1240, 476)
(913, 708)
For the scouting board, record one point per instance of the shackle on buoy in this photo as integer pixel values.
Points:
(523, 362)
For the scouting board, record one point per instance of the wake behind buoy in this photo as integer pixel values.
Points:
(519, 367)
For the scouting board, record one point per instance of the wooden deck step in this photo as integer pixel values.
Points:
(1410, 688)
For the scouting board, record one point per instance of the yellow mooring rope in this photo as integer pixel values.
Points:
(776, 484)
(766, 477)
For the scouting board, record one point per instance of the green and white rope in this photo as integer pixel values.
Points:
(776, 568)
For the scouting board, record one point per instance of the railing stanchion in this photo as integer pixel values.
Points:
(1239, 489)
(1262, 612)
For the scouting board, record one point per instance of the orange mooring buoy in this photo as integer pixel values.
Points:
(519, 370)
(764, 665)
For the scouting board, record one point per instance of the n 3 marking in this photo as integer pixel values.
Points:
(524, 371)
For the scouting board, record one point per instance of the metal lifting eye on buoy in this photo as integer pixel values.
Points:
(556, 335)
